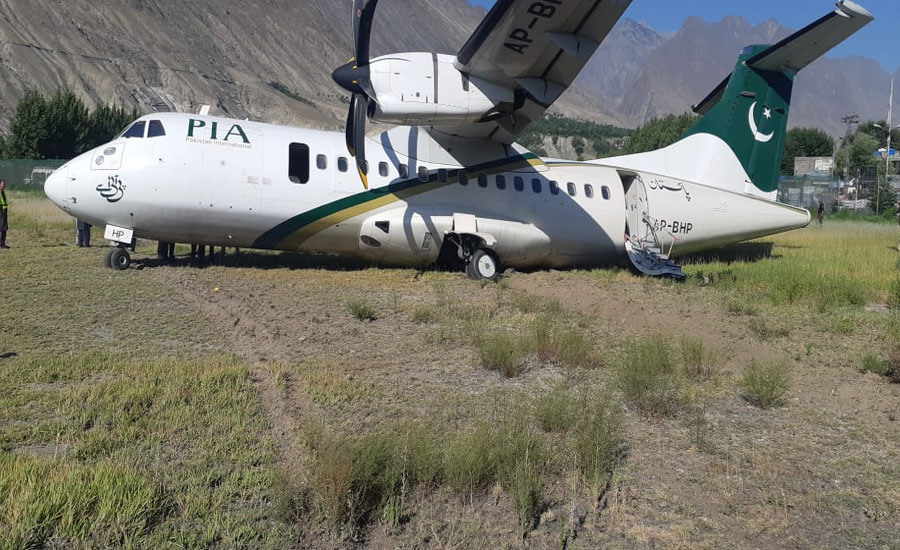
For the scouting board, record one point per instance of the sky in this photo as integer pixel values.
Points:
(880, 40)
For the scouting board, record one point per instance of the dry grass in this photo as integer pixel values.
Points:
(765, 384)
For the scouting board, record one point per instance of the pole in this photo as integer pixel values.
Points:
(890, 127)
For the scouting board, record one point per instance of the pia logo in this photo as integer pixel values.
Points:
(113, 190)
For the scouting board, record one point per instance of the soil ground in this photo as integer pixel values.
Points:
(821, 471)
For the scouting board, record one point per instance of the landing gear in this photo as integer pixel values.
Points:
(118, 259)
(483, 264)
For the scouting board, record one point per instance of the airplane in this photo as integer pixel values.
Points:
(449, 183)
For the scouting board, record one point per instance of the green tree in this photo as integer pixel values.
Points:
(804, 142)
(28, 130)
(67, 127)
(106, 122)
(862, 148)
(659, 133)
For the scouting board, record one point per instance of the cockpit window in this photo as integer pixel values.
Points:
(136, 130)
(156, 129)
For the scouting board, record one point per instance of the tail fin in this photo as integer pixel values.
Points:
(749, 109)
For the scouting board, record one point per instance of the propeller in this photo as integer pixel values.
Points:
(354, 77)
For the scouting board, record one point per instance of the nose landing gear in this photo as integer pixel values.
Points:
(118, 259)
(483, 264)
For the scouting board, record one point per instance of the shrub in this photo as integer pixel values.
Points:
(361, 310)
(699, 362)
(501, 352)
(892, 369)
(765, 384)
(527, 487)
(597, 441)
(558, 342)
(470, 462)
(894, 296)
(556, 411)
(424, 315)
(649, 377)
(871, 363)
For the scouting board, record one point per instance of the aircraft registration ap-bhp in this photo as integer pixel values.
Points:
(450, 181)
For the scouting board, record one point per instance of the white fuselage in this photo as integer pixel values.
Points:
(244, 184)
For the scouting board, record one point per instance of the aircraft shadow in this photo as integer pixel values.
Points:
(262, 260)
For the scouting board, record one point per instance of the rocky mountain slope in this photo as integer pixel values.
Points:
(181, 54)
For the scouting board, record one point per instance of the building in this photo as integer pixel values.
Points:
(808, 165)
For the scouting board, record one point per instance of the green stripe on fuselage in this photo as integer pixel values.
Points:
(400, 190)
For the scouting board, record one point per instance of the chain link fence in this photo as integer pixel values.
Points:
(27, 174)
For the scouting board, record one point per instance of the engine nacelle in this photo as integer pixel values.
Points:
(424, 89)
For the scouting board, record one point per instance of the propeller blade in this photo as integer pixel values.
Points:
(351, 119)
(359, 141)
(363, 15)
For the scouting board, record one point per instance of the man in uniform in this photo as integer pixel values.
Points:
(4, 215)
(84, 234)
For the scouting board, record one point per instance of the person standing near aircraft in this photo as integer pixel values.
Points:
(4, 215)
(84, 234)
(821, 213)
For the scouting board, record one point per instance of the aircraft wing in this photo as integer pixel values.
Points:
(536, 48)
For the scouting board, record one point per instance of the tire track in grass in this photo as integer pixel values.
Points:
(246, 333)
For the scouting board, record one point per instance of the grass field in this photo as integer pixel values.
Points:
(287, 401)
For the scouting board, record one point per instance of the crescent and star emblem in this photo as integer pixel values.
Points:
(760, 137)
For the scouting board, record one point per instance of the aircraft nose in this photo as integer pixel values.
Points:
(55, 187)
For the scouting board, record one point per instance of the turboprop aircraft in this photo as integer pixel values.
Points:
(449, 181)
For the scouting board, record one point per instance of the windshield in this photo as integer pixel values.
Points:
(136, 130)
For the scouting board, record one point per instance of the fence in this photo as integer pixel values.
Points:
(27, 174)
(807, 191)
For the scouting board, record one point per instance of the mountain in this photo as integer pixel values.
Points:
(237, 55)
(180, 54)
(684, 69)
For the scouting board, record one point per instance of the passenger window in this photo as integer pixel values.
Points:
(342, 164)
(501, 182)
(404, 171)
(482, 180)
(536, 185)
(423, 174)
(606, 193)
(156, 129)
(136, 130)
(463, 177)
(383, 169)
(443, 176)
(321, 162)
(298, 163)
(554, 188)
(589, 191)
(572, 189)
(518, 183)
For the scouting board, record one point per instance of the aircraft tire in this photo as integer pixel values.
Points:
(484, 265)
(120, 259)
(107, 260)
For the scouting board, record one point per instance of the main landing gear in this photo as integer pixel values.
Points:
(481, 263)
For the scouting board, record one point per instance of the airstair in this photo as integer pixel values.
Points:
(649, 254)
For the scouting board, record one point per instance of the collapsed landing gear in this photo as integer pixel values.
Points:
(118, 259)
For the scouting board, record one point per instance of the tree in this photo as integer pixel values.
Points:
(67, 127)
(29, 127)
(659, 133)
(804, 142)
(106, 122)
(861, 149)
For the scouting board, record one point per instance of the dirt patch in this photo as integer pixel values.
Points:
(771, 479)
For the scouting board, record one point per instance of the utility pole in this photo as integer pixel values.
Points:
(887, 151)
(850, 120)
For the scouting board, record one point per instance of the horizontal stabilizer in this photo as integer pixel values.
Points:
(805, 46)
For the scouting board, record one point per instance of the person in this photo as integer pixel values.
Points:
(821, 213)
(4, 215)
(84, 234)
